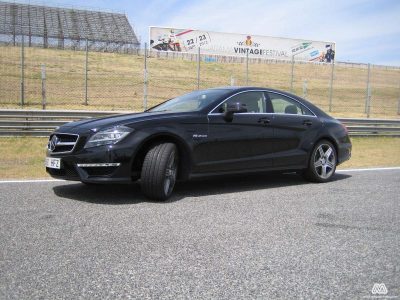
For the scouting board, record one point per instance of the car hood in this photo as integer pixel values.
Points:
(114, 120)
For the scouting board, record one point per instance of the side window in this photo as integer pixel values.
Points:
(284, 105)
(254, 102)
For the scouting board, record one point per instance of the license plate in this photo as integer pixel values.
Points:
(53, 163)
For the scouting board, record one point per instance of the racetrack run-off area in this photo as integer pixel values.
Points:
(259, 236)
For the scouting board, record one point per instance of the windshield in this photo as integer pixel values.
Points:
(193, 101)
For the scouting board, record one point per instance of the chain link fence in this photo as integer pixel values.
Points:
(35, 78)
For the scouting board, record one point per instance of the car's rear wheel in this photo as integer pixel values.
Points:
(322, 165)
(159, 171)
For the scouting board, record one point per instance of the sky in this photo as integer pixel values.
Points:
(365, 31)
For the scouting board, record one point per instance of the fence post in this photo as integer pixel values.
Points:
(398, 104)
(292, 75)
(233, 81)
(198, 68)
(44, 87)
(368, 90)
(305, 88)
(369, 101)
(331, 86)
(247, 67)
(22, 71)
(145, 79)
(86, 71)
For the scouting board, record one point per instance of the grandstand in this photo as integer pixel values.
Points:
(65, 28)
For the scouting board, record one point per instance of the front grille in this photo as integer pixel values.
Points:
(62, 142)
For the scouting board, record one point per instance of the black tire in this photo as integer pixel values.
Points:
(322, 164)
(159, 171)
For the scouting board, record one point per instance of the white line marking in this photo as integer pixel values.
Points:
(30, 181)
(368, 169)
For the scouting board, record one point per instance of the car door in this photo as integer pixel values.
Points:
(295, 128)
(239, 144)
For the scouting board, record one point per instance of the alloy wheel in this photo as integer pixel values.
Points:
(324, 161)
(170, 174)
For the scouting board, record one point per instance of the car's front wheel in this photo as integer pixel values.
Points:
(322, 164)
(159, 171)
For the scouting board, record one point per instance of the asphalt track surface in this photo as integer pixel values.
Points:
(245, 237)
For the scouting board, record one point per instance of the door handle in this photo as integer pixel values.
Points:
(264, 121)
(307, 122)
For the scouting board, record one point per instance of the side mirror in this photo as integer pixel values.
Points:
(234, 108)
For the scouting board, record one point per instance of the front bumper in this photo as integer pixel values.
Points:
(104, 164)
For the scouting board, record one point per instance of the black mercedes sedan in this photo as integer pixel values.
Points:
(206, 132)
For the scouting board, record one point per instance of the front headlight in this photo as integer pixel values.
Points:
(108, 136)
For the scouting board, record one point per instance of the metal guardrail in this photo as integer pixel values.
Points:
(372, 127)
(41, 123)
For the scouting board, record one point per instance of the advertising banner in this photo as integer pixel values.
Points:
(232, 44)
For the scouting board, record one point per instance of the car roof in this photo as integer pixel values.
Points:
(236, 89)
(245, 88)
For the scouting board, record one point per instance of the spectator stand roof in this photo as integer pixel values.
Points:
(65, 27)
